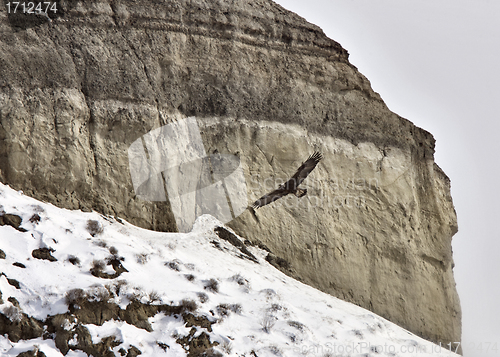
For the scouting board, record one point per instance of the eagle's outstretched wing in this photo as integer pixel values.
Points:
(291, 185)
(270, 197)
(302, 172)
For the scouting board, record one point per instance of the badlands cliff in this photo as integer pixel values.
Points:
(263, 85)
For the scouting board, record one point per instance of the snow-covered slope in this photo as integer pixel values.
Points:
(166, 294)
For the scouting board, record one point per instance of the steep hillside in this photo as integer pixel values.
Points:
(78, 283)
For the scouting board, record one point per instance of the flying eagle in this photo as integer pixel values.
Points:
(292, 185)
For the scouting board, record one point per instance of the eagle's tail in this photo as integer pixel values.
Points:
(300, 192)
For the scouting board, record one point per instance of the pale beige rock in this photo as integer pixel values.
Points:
(376, 225)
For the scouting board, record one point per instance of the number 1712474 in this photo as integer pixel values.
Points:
(31, 7)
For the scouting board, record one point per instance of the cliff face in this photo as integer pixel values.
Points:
(264, 85)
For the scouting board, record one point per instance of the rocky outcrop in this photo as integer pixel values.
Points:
(264, 85)
(69, 332)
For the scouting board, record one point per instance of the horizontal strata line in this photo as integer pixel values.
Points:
(329, 52)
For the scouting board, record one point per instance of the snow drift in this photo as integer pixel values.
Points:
(78, 284)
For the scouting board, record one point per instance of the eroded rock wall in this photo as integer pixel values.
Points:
(376, 225)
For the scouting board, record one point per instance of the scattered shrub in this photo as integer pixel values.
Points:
(13, 313)
(275, 308)
(100, 243)
(35, 218)
(203, 297)
(99, 293)
(227, 347)
(298, 325)
(32, 353)
(241, 281)
(357, 333)
(135, 296)
(114, 260)
(291, 336)
(142, 258)
(111, 290)
(275, 350)
(211, 353)
(37, 208)
(153, 296)
(74, 260)
(238, 278)
(116, 287)
(212, 285)
(190, 277)
(257, 244)
(75, 297)
(113, 250)
(173, 265)
(97, 267)
(188, 305)
(223, 310)
(270, 293)
(216, 244)
(94, 227)
(96, 293)
(268, 323)
(236, 308)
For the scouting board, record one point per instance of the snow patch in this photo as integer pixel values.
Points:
(253, 308)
